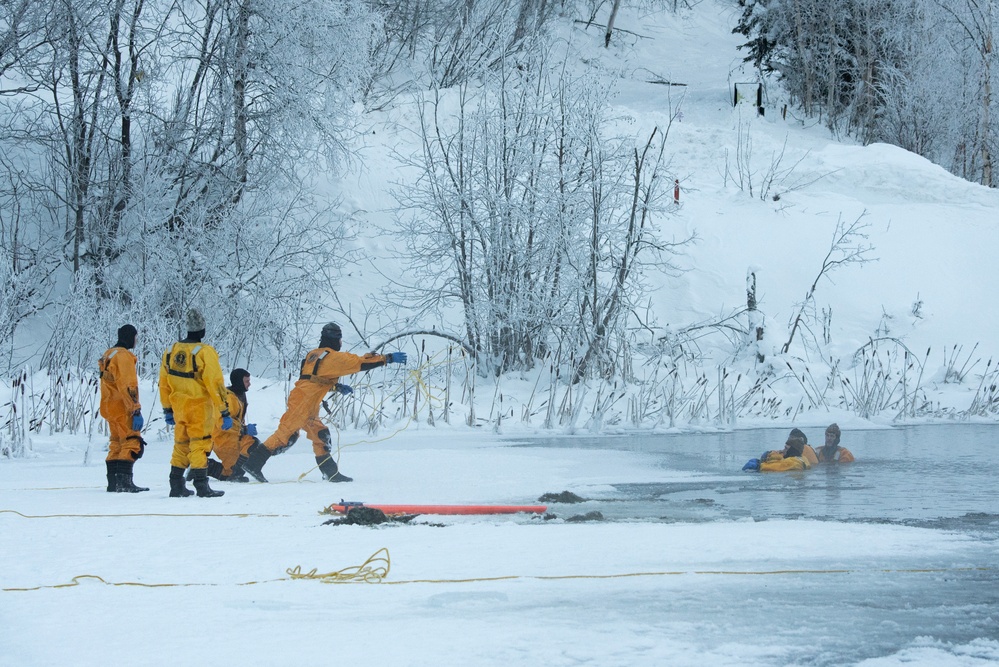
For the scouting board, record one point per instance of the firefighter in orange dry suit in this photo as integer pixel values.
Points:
(321, 372)
(831, 452)
(193, 394)
(120, 407)
(231, 445)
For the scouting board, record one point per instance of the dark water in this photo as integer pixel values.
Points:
(943, 476)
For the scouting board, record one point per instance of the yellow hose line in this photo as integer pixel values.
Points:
(376, 568)
(110, 516)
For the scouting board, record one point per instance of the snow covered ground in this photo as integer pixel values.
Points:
(90, 578)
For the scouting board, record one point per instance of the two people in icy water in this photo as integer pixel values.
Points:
(799, 455)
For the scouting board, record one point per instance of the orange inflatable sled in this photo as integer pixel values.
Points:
(343, 507)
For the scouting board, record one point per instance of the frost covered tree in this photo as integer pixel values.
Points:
(918, 74)
(172, 146)
(532, 219)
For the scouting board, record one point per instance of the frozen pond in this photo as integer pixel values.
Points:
(916, 607)
(938, 476)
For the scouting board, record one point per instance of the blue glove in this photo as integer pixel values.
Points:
(226, 421)
(251, 429)
(752, 464)
(395, 358)
(344, 389)
(168, 417)
(137, 421)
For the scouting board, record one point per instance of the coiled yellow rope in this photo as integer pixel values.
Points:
(371, 571)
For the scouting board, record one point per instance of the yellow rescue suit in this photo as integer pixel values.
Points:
(191, 385)
(777, 462)
(321, 370)
(229, 444)
(119, 402)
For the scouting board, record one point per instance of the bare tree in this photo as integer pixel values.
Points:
(849, 246)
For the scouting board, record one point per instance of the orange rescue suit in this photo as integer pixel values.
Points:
(229, 444)
(321, 370)
(808, 454)
(840, 455)
(119, 402)
(191, 385)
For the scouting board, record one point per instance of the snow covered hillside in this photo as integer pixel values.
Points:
(764, 196)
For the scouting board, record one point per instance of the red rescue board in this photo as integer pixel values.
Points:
(343, 508)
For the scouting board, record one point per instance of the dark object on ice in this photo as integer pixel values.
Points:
(589, 516)
(564, 497)
(367, 516)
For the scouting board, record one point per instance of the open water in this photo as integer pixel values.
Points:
(944, 476)
(907, 609)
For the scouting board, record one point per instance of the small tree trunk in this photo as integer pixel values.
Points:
(610, 22)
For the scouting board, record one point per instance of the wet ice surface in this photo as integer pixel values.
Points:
(910, 608)
(941, 476)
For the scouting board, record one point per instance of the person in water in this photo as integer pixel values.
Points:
(831, 452)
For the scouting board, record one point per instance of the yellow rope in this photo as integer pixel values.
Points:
(106, 516)
(372, 571)
(681, 572)
(376, 568)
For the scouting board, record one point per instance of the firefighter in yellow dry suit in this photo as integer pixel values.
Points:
(321, 372)
(231, 445)
(120, 407)
(791, 458)
(193, 394)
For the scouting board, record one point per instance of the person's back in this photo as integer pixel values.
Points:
(184, 366)
(192, 394)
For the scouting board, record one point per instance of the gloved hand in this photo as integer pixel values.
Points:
(395, 358)
(344, 389)
(226, 421)
(168, 417)
(251, 429)
(137, 421)
(752, 464)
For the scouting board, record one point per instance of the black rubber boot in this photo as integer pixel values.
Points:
(237, 474)
(125, 482)
(177, 487)
(113, 476)
(214, 471)
(256, 457)
(330, 470)
(201, 484)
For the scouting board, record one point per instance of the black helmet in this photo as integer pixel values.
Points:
(126, 337)
(236, 377)
(331, 336)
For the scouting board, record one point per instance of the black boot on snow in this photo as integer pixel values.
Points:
(256, 457)
(125, 482)
(177, 487)
(201, 484)
(214, 471)
(113, 476)
(237, 474)
(330, 470)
